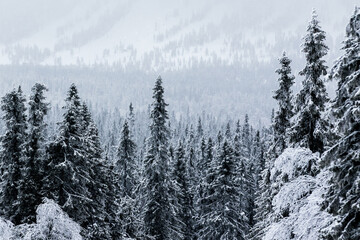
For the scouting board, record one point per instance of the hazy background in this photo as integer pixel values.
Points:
(214, 56)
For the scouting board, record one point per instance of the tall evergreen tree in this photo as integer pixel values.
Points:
(99, 185)
(344, 157)
(258, 158)
(225, 220)
(30, 193)
(69, 169)
(308, 127)
(157, 212)
(12, 154)
(131, 120)
(184, 209)
(126, 161)
(199, 130)
(126, 167)
(284, 97)
(263, 206)
(207, 176)
(228, 133)
(246, 138)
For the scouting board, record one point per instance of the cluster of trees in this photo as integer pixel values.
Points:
(176, 187)
(330, 128)
(186, 182)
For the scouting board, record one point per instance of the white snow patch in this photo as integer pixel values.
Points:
(51, 223)
(297, 205)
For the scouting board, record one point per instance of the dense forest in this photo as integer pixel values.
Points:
(153, 175)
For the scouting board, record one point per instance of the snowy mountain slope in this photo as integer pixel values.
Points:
(162, 34)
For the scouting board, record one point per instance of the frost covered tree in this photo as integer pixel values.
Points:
(284, 98)
(12, 154)
(246, 138)
(126, 161)
(30, 194)
(228, 134)
(344, 156)
(199, 130)
(98, 186)
(70, 175)
(207, 176)
(257, 158)
(246, 166)
(131, 120)
(224, 220)
(184, 213)
(51, 224)
(308, 127)
(297, 193)
(157, 202)
(262, 206)
(125, 167)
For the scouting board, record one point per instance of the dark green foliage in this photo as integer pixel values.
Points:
(308, 128)
(224, 218)
(30, 195)
(184, 212)
(12, 154)
(284, 97)
(344, 195)
(157, 213)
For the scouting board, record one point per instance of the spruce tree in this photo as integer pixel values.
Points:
(131, 121)
(207, 176)
(343, 197)
(184, 205)
(246, 167)
(199, 130)
(191, 161)
(258, 158)
(308, 128)
(99, 186)
(263, 206)
(69, 171)
(12, 154)
(246, 138)
(157, 213)
(126, 161)
(125, 167)
(224, 220)
(30, 195)
(228, 134)
(284, 97)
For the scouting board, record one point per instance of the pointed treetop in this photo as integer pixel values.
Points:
(131, 108)
(158, 80)
(125, 131)
(353, 28)
(73, 93)
(38, 87)
(314, 13)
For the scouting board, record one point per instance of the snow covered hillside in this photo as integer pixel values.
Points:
(159, 34)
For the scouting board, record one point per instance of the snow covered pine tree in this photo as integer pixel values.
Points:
(12, 154)
(308, 126)
(343, 199)
(157, 213)
(30, 193)
(284, 98)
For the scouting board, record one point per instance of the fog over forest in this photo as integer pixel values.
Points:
(217, 56)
